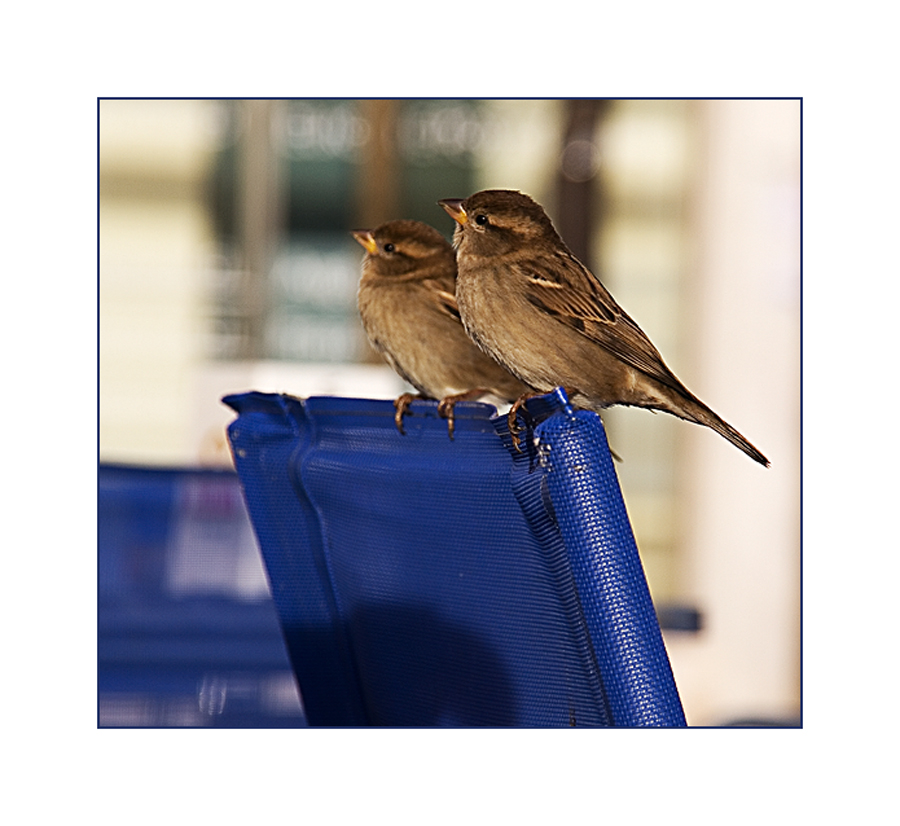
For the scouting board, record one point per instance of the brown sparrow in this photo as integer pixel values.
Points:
(537, 310)
(407, 304)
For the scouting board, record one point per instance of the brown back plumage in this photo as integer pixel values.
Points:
(510, 256)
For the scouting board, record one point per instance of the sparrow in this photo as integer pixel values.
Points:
(531, 305)
(407, 305)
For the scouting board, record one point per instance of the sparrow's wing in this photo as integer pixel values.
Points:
(563, 287)
(446, 303)
(442, 300)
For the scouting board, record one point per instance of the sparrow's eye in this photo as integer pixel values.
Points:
(388, 247)
(481, 220)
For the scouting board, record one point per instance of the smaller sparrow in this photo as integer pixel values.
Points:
(407, 304)
(534, 307)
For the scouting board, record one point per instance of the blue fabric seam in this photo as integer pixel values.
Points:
(298, 463)
(527, 484)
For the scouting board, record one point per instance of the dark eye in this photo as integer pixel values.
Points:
(389, 247)
(481, 220)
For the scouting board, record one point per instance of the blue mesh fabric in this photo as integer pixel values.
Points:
(270, 430)
(423, 581)
(607, 570)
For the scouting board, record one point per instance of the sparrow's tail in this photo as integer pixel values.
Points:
(692, 409)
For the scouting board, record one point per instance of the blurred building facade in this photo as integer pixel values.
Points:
(226, 264)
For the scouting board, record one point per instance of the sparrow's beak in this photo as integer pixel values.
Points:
(365, 237)
(455, 210)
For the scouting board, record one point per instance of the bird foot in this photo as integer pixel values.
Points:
(512, 422)
(401, 406)
(512, 419)
(446, 405)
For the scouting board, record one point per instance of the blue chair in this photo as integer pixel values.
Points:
(424, 581)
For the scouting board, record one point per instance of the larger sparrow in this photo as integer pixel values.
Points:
(407, 304)
(532, 306)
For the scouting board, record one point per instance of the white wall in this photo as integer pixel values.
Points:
(740, 543)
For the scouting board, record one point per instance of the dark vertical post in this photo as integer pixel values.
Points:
(579, 164)
(378, 184)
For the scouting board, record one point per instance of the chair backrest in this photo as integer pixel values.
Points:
(424, 581)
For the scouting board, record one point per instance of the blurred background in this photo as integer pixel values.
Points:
(226, 265)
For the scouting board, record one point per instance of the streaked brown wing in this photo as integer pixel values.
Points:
(562, 287)
(444, 301)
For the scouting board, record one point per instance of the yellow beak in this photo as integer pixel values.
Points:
(365, 237)
(455, 210)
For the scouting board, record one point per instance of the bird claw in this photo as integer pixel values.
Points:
(445, 411)
(401, 406)
(512, 420)
(514, 430)
(446, 405)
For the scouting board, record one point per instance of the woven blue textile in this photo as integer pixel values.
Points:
(427, 582)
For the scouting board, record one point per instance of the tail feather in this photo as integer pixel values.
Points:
(692, 409)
